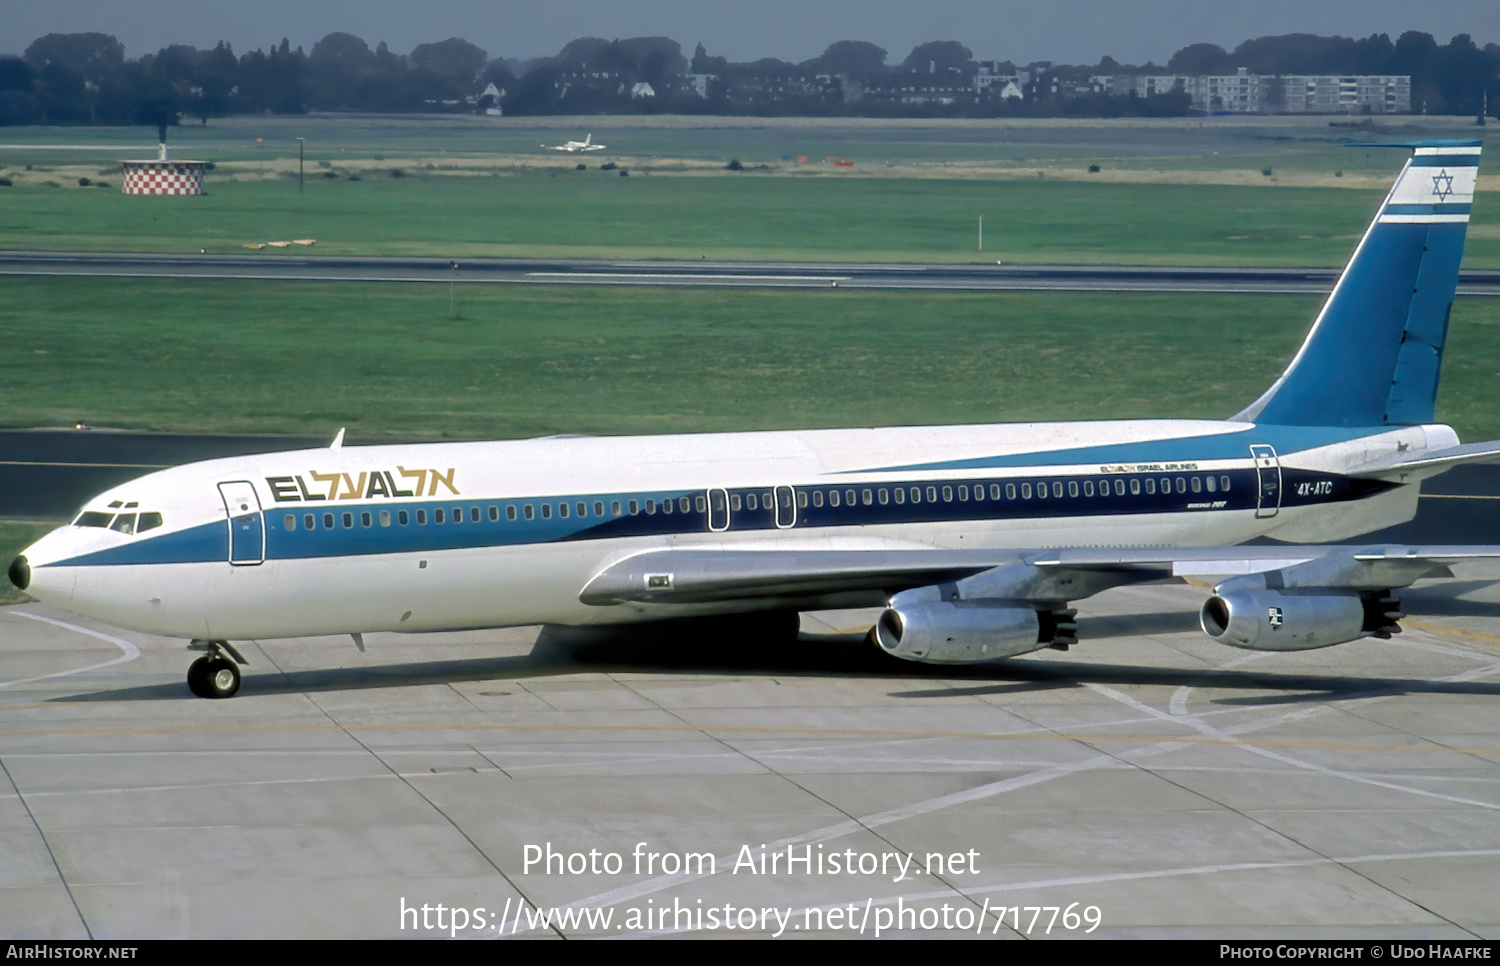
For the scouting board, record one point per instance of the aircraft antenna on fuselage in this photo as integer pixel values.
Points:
(1375, 352)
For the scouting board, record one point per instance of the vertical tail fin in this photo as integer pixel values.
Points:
(1374, 354)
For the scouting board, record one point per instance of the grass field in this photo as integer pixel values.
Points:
(1174, 192)
(522, 361)
(591, 214)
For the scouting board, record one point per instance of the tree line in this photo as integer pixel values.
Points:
(84, 78)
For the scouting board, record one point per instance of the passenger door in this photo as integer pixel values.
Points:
(1268, 480)
(247, 530)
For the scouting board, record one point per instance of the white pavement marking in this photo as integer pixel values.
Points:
(1209, 730)
(131, 651)
(1178, 704)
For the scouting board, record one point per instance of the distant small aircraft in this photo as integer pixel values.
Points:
(574, 147)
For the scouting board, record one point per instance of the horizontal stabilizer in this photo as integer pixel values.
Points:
(1402, 467)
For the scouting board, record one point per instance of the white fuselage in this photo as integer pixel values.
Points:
(360, 539)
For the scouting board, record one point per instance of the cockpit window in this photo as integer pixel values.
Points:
(93, 518)
(124, 523)
(148, 521)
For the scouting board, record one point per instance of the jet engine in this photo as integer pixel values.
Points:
(1297, 620)
(970, 631)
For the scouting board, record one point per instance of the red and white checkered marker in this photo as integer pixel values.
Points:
(162, 178)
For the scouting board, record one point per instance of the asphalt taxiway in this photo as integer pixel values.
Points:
(981, 276)
(1147, 783)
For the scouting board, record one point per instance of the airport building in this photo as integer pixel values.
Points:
(1247, 93)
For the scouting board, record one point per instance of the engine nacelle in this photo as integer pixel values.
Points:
(1296, 620)
(967, 632)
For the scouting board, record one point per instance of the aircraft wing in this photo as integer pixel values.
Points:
(871, 577)
(702, 576)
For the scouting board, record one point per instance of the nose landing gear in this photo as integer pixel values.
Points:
(215, 675)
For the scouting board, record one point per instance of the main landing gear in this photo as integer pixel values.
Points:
(215, 675)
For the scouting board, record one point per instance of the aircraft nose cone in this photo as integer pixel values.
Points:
(20, 572)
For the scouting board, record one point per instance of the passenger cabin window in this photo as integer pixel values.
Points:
(422, 518)
(328, 521)
(348, 521)
(402, 518)
(438, 517)
(494, 515)
(546, 511)
(290, 522)
(510, 513)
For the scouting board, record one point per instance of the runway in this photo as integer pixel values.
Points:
(980, 276)
(1148, 783)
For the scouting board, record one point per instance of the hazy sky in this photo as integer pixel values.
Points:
(1064, 31)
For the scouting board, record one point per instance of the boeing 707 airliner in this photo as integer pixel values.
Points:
(975, 540)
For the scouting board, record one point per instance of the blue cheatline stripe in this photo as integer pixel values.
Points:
(858, 504)
(1445, 208)
(1181, 449)
(1445, 161)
